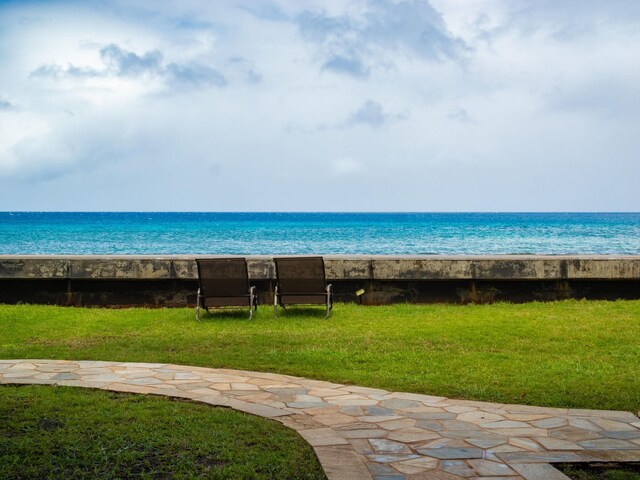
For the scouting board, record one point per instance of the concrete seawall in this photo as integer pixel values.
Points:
(172, 280)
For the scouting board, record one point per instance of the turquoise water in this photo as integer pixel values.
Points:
(24, 233)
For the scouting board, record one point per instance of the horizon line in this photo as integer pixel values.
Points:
(334, 211)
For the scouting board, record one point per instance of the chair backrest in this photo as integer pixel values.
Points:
(223, 277)
(300, 274)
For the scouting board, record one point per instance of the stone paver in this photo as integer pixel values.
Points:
(366, 433)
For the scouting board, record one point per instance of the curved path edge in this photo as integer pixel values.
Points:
(365, 433)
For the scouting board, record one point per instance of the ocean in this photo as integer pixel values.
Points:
(140, 233)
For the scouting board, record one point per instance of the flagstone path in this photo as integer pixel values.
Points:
(365, 433)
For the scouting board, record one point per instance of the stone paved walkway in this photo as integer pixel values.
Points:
(364, 433)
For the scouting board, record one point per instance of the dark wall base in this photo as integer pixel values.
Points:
(180, 293)
(484, 291)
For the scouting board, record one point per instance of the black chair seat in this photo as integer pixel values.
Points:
(243, 301)
(304, 299)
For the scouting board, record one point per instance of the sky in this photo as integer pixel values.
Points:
(334, 105)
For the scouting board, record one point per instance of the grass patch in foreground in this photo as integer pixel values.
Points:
(581, 354)
(601, 471)
(57, 432)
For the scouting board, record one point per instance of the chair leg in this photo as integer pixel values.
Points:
(329, 300)
(275, 303)
(253, 301)
(198, 306)
(328, 308)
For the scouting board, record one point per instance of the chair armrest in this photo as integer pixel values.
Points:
(329, 288)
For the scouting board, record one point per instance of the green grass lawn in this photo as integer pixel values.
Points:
(583, 354)
(601, 471)
(53, 433)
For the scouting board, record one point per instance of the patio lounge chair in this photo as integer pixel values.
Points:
(301, 281)
(224, 282)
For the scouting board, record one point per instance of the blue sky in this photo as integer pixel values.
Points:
(369, 105)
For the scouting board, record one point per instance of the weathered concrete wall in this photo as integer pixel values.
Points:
(427, 267)
(172, 280)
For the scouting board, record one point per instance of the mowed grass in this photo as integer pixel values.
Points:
(60, 432)
(602, 471)
(583, 354)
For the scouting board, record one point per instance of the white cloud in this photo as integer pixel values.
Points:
(369, 35)
(18, 128)
(120, 63)
(372, 113)
(346, 166)
(454, 105)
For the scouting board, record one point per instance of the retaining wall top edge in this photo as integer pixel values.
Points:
(346, 267)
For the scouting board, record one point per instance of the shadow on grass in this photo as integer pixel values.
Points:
(222, 314)
(302, 311)
(242, 313)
